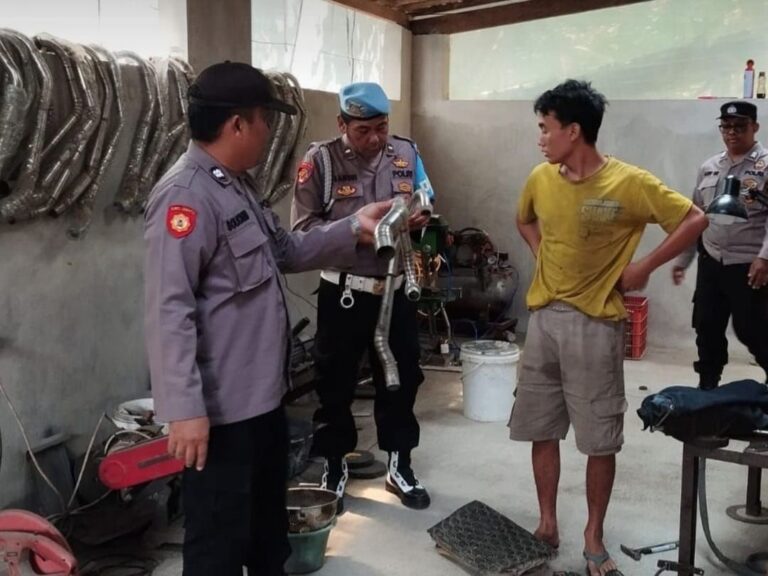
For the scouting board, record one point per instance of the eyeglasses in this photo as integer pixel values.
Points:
(739, 128)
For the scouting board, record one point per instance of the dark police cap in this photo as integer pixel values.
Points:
(738, 109)
(235, 85)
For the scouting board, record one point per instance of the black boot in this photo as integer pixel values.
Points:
(335, 476)
(402, 482)
(708, 381)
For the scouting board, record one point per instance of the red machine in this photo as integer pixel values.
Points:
(139, 463)
(27, 536)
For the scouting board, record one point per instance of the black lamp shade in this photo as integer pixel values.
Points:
(727, 208)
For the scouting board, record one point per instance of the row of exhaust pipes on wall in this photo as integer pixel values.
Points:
(50, 170)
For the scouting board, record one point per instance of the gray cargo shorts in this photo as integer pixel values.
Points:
(571, 372)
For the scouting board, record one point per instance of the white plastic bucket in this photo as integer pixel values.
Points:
(489, 374)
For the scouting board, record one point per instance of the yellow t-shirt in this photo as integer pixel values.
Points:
(590, 231)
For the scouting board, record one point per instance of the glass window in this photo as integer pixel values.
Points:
(663, 49)
(326, 45)
(147, 27)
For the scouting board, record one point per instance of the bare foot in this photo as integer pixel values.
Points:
(548, 536)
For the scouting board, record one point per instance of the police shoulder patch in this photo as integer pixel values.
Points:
(180, 220)
(305, 172)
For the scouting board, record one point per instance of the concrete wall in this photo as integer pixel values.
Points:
(479, 153)
(71, 334)
(71, 342)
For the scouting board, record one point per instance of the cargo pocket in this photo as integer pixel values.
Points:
(248, 246)
(607, 430)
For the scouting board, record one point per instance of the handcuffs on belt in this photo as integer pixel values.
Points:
(347, 300)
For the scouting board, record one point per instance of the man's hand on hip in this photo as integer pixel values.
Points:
(188, 441)
(634, 277)
(758, 273)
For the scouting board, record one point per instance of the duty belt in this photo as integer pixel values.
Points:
(359, 283)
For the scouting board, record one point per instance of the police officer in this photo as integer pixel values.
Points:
(217, 326)
(336, 178)
(733, 259)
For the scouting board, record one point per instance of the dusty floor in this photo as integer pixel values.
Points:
(460, 460)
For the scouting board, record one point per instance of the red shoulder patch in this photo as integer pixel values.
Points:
(180, 220)
(305, 172)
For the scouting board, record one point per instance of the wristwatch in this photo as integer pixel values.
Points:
(354, 224)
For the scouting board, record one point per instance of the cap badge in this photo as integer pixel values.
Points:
(731, 109)
(180, 220)
(355, 109)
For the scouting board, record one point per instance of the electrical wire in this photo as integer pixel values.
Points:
(32, 456)
(299, 296)
(738, 568)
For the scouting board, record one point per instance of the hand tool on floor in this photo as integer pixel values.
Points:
(670, 566)
(637, 553)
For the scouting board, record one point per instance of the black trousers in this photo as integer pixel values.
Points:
(235, 512)
(722, 293)
(343, 335)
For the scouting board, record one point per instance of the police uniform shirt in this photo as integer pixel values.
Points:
(740, 242)
(355, 183)
(215, 317)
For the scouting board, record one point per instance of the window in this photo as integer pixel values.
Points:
(664, 49)
(147, 27)
(326, 45)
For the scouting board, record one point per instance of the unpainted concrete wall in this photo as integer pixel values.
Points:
(71, 326)
(479, 154)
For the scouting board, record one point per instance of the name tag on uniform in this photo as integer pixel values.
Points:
(237, 220)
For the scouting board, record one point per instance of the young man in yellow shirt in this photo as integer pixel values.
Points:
(582, 214)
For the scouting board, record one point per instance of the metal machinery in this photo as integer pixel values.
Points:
(467, 285)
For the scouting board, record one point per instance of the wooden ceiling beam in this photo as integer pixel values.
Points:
(509, 14)
(375, 9)
(426, 7)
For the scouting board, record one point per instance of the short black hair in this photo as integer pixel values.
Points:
(346, 118)
(205, 122)
(575, 101)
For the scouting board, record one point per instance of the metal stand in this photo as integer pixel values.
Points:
(752, 512)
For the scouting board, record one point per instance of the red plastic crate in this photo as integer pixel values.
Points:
(634, 346)
(636, 327)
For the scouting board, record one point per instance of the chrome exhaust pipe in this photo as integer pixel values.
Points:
(392, 239)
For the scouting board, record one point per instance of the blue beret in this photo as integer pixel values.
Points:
(363, 100)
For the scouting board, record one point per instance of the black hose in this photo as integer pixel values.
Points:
(738, 568)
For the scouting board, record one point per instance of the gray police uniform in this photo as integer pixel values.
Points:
(344, 335)
(217, 341)
(726, 252)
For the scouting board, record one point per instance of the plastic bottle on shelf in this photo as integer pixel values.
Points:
(760, 93)
(749, 79)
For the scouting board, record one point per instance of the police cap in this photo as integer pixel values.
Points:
(738, 109)
(363, 100)
(235, 85)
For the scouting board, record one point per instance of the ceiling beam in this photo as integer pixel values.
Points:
(376, 9)
(426, 7)
(509, 14)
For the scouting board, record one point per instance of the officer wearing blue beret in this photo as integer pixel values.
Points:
(336, 178)
(217, 327)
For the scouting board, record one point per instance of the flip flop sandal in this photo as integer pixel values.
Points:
(598, 560)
